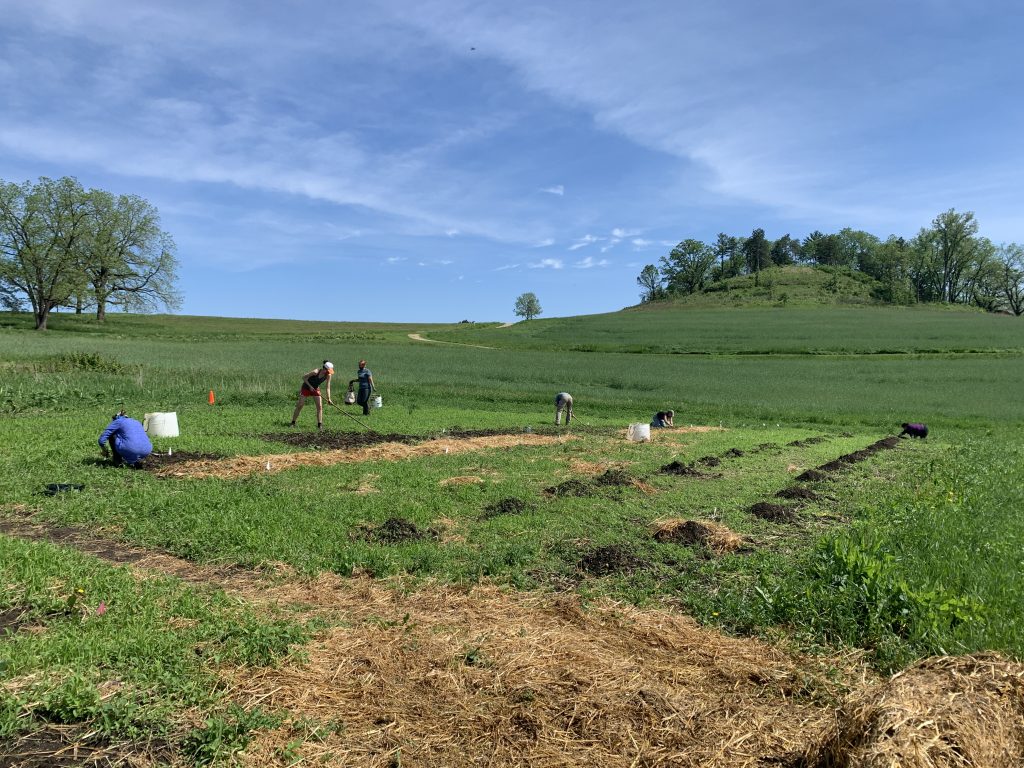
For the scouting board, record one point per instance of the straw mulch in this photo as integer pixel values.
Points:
(942, 712)
(717, 538)
(236, 466)
(442, 676)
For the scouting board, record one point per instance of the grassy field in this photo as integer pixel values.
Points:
(915, 550)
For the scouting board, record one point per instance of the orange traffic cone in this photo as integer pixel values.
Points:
(211, 398)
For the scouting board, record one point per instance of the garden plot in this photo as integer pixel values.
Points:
(238, 466)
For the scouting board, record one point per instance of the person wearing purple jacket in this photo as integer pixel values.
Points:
(125, 440)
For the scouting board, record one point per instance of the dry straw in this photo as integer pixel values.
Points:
(236, 466)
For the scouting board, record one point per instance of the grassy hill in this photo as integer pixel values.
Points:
(784, 286)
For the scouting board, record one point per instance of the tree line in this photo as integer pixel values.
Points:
(64, 246)
(945, 262)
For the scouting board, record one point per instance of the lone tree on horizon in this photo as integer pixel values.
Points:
(527, 306)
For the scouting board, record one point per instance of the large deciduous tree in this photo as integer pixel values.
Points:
(1011, 276)
(41, 229)
(687, 267)
(948, 252)
(650, 280)
(128, 260)
(527, 306)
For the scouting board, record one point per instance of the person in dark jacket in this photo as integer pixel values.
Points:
(311, 388)
(914, 430)
(366, 386)
(663, 419)
(125, 441)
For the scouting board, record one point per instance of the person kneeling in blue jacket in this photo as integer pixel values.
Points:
(125, 440)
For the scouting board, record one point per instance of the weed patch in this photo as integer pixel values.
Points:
(570, 488)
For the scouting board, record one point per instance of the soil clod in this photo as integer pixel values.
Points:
(570, 488)
(395, 530)
(812, 476)
(508, 506)
(797, 492)
(693, 533)
(615, 477)
(686, 470)
(709, 461)
(613, 558)
(734, 453)
(774, 513)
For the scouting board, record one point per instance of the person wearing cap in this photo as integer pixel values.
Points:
(366, 387)
(563, 402)
(125, 441)
(311, 388)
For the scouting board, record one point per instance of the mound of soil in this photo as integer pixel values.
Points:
(156, 461)
(570, 488)
(692, 533)
(337, 440)
(807, 441)
(616, 477)
(613, 558)
(396, 529)
(733, 453)
(766, 447)
(508, 506)
(831, 466)
(812, 476)
(942, 711)
(885, 443)
(709, 461)
(686, 470)
(774, 513)
(797, 492)
(11, 620)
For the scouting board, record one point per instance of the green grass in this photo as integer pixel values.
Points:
(915, 551)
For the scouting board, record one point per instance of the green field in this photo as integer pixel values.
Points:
(913, 551)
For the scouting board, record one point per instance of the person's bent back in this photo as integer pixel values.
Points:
(126, 439)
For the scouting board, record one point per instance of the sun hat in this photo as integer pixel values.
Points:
(329, 367)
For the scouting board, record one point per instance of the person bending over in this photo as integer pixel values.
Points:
(563, 402)
(663, 419)
(125, 441)
(914, 430)
(311, 388)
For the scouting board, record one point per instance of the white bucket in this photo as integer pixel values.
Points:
(639, 433)
(161, 424)
(378, 402)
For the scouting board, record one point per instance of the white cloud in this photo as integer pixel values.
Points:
(547, 264)
(544, 243)
(589, 263)
(558, 189)
(639, 242)
(395, 259)
(504, 267)
(451, 232)
(585, 241)
(445, 262)
(623, 233)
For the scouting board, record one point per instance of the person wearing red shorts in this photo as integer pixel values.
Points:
(311, 388)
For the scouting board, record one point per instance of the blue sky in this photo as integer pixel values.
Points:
(431, 160)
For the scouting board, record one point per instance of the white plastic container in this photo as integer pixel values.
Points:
(161, 424)
(378, 402)
(639, 433)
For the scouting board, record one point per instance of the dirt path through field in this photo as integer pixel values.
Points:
(418, 337)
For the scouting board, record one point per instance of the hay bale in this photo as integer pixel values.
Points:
(942, 711)
(691, 533)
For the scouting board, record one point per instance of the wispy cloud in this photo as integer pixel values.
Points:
(590, 263)
(558, 189)
(544, 243)
(395, 259)
(503, 267)
(547, 264)
(640, 243)
(584, 241)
